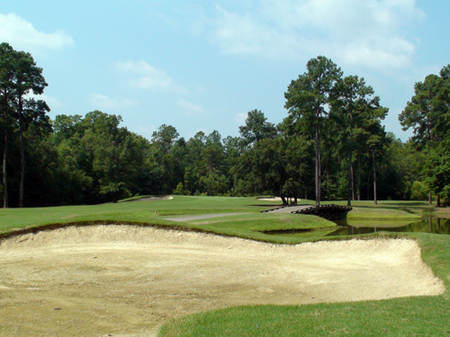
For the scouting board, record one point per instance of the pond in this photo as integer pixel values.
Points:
(426, 225)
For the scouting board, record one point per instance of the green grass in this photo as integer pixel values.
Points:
(416, 316)
(251, 224)
(137, 211)
(256, 225)
(386, 210)
(400, 317)
(153, 211)
(362, 213)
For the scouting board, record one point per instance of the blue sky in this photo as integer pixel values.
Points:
(201, 65)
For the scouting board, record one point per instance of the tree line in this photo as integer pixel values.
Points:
(428, 115)
(331, 145)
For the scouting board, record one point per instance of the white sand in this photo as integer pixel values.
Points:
(128, 280)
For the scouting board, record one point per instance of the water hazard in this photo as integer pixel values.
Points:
(426, 225)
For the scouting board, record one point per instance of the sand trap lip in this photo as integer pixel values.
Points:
(129, 279)
(164, 197)
(269, 198)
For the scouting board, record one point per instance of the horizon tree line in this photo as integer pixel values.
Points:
(331, 145)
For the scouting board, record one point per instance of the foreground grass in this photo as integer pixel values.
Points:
(401, 317)
(414, 316)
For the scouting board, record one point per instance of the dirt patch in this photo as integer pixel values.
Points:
(128, 280)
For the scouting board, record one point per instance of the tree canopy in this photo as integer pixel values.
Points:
(331, 145)
(428, 114)
(19, 76)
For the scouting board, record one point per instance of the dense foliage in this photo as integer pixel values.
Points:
(331, 145)
(428, 114)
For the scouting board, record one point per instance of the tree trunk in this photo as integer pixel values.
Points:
(430, 199)
(5, 156)
(359, 178)
(374, 179)
(284, 200)
(353, 183)
(350, 185)
(22, 154)
(318, 173)
(349, 182)
(5, 171)
(22, 167)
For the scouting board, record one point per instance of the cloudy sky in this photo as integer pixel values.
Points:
(202, 65)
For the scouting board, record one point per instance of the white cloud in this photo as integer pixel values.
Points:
(395, 52)
(107, 104)
(23, 36)
(192, 135)
(144, 131)
(190, 108)
(52, 102)
(359, 32)
(240, 118)
(147, 76)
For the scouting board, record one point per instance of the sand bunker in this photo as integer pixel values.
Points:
(128, 280)
(164, 197)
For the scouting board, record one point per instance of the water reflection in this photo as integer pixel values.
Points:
(426, 225)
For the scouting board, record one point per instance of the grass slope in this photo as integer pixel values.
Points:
(137, 211)
(256, 225)
(251, 224)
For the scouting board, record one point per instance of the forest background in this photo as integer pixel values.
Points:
(331, 145)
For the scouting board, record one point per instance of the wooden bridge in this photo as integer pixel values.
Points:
(329, 212)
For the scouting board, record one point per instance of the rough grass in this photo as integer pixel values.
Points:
(400, 317)
(415, 316)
